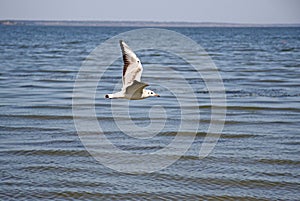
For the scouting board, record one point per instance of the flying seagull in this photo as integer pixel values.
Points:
(133, 88)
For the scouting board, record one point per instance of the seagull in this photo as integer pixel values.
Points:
(133, 88)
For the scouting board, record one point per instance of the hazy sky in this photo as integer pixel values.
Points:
(237, 11)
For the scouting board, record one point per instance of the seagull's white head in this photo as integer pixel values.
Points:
(148, 93)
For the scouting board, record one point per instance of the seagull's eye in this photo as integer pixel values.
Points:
(151, 92)
(138, 61)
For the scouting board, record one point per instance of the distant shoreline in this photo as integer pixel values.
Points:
(133, 24)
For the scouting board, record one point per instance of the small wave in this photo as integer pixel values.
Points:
(260, 108)
(263, 92)
(287, 49)
(26, 129)
(279, 161)
(140, 148)
(46, 107)
(24, 46)
(39, 116)
(232, 136)
(47, 152)
(72, 42)
(198, 134)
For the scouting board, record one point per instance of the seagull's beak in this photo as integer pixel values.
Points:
(157, 95)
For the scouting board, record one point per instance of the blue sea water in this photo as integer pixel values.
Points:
(256, 158)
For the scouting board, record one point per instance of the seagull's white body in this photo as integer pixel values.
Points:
(133, 88)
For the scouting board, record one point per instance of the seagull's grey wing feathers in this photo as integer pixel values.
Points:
(132, 69)
(135, 90)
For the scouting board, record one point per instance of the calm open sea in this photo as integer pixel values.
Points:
(256, 158)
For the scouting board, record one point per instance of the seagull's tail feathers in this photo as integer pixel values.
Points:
(115, 95)
(110, 96)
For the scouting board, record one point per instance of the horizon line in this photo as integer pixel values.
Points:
(69, 22)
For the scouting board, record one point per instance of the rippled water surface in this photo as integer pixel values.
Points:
(256, 158)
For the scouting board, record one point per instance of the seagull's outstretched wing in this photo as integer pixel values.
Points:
(135, 90)
(133, 68)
